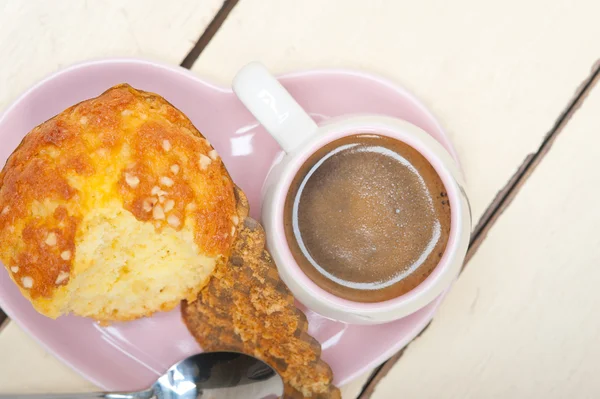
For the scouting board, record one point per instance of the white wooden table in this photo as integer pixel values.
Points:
(513, 83)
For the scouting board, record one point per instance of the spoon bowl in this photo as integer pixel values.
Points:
(214, 375)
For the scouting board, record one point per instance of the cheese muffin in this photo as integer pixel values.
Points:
(115, 209)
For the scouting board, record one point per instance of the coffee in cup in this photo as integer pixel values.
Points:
(365, 215)
(367, 218)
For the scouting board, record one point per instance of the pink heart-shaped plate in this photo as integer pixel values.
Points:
(131, 355)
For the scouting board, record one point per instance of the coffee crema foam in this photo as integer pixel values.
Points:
(367, 218)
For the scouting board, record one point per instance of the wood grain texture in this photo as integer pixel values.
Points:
(209, 33)
(521, 321)
(512, 187)
(25, 367)
(40, 37)
(355, 387)
(496, 74)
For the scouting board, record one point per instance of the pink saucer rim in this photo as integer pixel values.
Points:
(400, 344)
(188, 73)
(426, 319)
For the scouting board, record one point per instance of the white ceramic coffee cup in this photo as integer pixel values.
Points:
(300, 137)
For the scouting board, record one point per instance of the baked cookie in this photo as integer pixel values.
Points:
(247, 308)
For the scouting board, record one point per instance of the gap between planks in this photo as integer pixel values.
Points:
(187, 63)
(209, 33)
(500, 203)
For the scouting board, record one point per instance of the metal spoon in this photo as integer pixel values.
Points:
(208, 375)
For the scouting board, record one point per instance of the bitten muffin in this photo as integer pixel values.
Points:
(114, 209)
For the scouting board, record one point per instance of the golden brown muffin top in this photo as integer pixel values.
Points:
(125, 145)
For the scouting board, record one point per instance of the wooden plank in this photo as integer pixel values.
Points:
(40, 37)
(511, 189)
(355, 387)
(503, 200)
(521, 321)
(498, 75)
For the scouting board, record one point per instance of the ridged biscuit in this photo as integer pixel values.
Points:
(247, 308)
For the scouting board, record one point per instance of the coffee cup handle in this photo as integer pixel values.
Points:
(273, 106)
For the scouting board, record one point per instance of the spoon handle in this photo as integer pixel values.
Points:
(87, 395)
